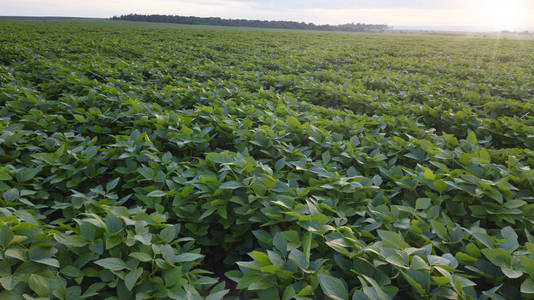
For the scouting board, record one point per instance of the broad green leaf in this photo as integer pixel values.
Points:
(280, 243)
(169, 233)
(441, 186)
(298, 258)
(112, 184)
(72, 271)
(187, 257)
(359, 295)
(112, 263)
(261, 257)
(11, 195)
(4, 175)
(70, 240)
(511, 244)
(131, 278)
(423, 203)
(19, 254)
(141, 256)
(333, 287)
(528, 264)
(39, 284)
(392, 239)
(79, 118)
(527, 287)
(498, 256)
(6, 236)
(293, 122)
(219, 295)
(231, 185)
(157, 193)
(48, 261)
(472, 138)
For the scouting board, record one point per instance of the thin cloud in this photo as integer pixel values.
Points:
(391, 12)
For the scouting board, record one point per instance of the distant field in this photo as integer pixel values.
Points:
(119, 23)
(163, 161)
(107, 22)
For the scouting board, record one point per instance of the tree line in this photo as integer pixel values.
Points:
(359, 27)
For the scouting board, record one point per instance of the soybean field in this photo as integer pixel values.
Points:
(169, 162)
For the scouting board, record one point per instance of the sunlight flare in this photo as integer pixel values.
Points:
(505, 14)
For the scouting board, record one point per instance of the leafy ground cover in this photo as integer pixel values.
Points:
(151, 163)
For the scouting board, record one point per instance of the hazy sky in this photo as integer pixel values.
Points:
(494, 14)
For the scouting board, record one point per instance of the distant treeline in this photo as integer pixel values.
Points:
(251, 23)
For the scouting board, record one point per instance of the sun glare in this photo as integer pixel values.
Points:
(504, 14)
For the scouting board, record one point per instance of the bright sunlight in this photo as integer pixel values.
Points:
(505, 14)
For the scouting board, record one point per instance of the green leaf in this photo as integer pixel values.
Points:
(131, 278)
(4, 175)
(141, 256)
(498, 256)
(289, 293)
(511, 273)
(15, 253)
(112, 184)
(418, 263)
(392, 239)
(428, 174)
(248, 279)
(219, 295)
(231, 185)
(72, 271)
(359, 295)
(187, 257)
(420, 280)
(169, 233)
(280, 243)
(298, 258)
(306, 246)
(511, 244)
(269, 294)
(74, 241)
(481, 235)
(293, 122)
(79, 118)
(113, 223)
(423, 203)
(527, 287)
(221, 157)
(472, 138)
(355, 140)
(261, 257)
(48, 261)
(6, 235)
(333, 287)
(280, 164)
(7, 283)
(157, 194)
(112, 263)
(11, 195)
(495, 195)
(441, 186)
(39, 284)
(528, 264)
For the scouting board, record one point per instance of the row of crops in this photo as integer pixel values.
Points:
(230, 164)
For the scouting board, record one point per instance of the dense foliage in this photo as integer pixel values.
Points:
(194, 164)
(249, 23)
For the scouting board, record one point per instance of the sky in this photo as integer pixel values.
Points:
(477, 14)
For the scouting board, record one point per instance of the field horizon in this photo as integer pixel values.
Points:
(426, 30)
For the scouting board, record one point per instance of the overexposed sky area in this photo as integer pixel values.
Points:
(488, 14)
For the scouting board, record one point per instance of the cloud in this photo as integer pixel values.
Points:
(361, 4)
(391, 12)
